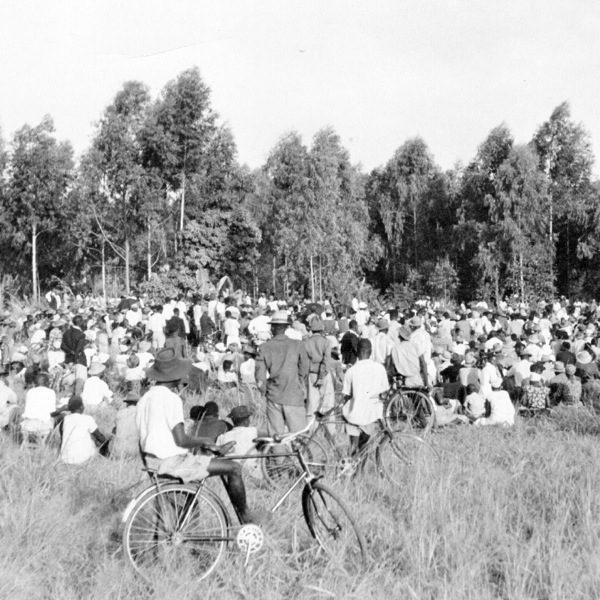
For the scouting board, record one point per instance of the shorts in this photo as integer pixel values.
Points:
(188, 467)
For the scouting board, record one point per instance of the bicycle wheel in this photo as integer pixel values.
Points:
(168, 533)
(400, 455)
(410, 410)
(332, 525)
(279, 471)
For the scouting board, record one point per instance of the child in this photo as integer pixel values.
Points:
(80, 434)
(474, 403)
(243, 436)
(95, 389)
(226, 377)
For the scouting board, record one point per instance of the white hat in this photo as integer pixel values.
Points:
(362, 305)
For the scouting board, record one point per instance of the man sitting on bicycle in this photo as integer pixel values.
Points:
(363, 385)
(166, 446)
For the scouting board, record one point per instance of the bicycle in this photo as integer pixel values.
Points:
(185, 527)
(408, 408)
(394, 453)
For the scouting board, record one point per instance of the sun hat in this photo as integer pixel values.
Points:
(559, 366)
(584, 357)
(404, 332)
(525, 352)
(383, 324)
(534, 377)
(18, 357)
(362, 305)
(220, 347)
(96, 368)
(167, 367)
(415, 321)
(240, 412)
(279, 317)
(317, 325)
(534, 339)
(570, 369)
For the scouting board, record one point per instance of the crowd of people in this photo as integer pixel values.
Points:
(480, 365)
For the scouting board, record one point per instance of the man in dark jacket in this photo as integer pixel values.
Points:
(349, 344)
(73, 345)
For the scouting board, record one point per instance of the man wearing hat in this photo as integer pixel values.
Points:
(287, 365)
(382, 343)
(319, 355)
(95, 389)
(73, 345)
(242, 435)
(164, 443)
(408, 362)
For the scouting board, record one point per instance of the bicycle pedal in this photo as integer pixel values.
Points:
(250, 538)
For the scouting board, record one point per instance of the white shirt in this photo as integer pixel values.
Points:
(157, 322)
(520, 370)
(94, 391)
(259, 324)
(7, 397)
(382, 347)
(157, 413)
(502, 411)
(247, 371)
(133, 317)
(38, 337)
(364, 382)
(77, 443)
(39, 403)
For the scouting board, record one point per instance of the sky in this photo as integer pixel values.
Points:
(378, 72)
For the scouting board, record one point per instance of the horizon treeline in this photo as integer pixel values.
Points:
(159, 203)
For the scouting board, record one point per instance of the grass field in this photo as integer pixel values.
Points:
(506, 514)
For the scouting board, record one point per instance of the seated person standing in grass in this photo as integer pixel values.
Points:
(40, 403)
(363, 385)
(208, 425)
(80, 434)
(126, 440)
(502, 411)
(225, 376)
(243, 436)
(95, 389)
(535, 395)
(165, 444)
(474, 403)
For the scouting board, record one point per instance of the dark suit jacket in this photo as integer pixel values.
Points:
(73, 344)
(176, 324)
(349, 347)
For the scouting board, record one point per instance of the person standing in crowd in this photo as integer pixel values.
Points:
(282, 367)
(73, 345)
(408, 362)
(319, 354)
(349, 344)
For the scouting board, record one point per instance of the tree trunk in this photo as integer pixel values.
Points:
(415, 236)
(149, 252)
(182, 201)
(312, 279)
(103, 273)
(273, 275)
(127, 258)
(320, 279)
(34, 276)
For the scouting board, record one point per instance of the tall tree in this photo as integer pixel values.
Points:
(39, 174)
(118, 182)
(565, 155)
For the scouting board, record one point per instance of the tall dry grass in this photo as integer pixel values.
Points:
(509, 514)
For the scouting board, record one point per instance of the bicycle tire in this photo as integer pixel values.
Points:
(162, 540)
(280, 471)
(409, 410)
(332, 525)
(401, 454)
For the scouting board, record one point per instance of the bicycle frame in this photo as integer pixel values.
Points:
(307, 477)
